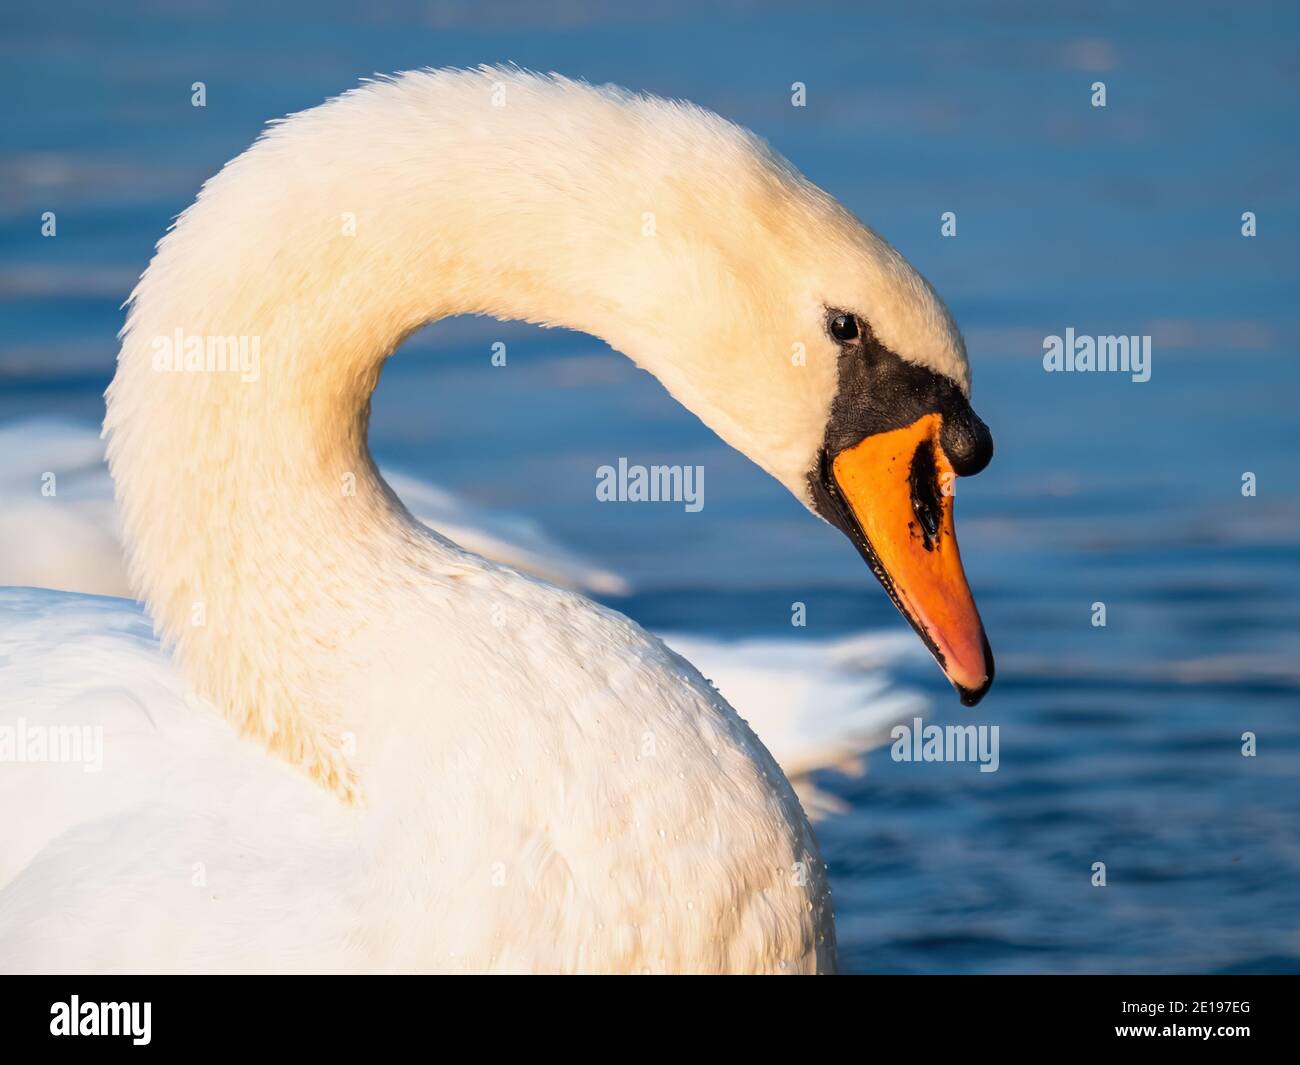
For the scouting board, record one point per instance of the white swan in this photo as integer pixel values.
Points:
(436, 762)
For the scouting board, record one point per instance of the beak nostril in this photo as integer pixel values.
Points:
(967, 443)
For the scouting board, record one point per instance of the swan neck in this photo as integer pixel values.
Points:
(257, 527)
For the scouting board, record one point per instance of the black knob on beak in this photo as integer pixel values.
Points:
(966, 441)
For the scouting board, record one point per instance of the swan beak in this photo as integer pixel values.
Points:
(898, 487)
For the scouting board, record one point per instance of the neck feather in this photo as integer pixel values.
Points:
(256, 524)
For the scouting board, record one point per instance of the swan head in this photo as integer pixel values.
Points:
(831, 362)
(898, 432)
(897, 436)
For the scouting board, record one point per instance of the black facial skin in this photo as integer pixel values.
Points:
(879, 392)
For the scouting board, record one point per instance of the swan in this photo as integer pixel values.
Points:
(369, 749)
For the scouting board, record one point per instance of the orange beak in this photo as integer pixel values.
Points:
(898, 486)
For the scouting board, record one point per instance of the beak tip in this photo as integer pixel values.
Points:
(972, 696)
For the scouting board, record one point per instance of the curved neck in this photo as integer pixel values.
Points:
(257, 527)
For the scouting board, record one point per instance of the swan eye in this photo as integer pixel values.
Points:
(844, 327)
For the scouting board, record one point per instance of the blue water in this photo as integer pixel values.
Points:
(1119, 744)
